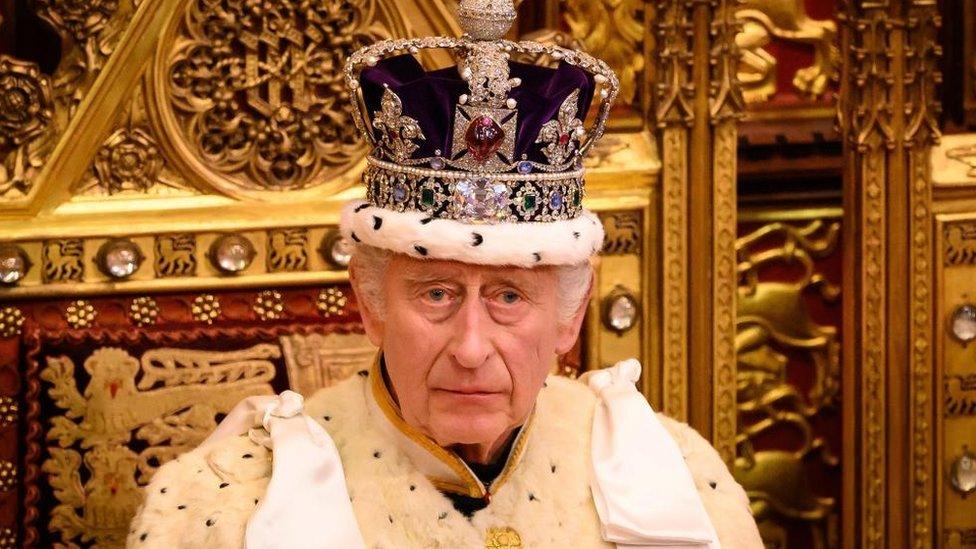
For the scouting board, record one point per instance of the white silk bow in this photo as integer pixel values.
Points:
(306, 504)
(644, 493)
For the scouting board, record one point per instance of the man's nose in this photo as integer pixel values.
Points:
(472, 345)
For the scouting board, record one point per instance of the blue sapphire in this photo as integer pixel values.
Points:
(524, 167)
(400, 193)
(556, 200)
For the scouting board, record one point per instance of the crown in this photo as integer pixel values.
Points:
(498, 138)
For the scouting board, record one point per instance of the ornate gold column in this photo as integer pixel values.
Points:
(888, 117)
(696, 103)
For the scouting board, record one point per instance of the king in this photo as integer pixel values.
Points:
(471, 267)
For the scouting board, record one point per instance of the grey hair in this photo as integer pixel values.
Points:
(370, 264)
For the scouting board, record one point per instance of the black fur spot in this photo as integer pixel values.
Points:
(420, 250)
(247, 456)
(713, 484)
(162, 490)
(537, 256)
(181, 507)
(533, 498)
(478, 239)
(553, 469)
(390, 517)
(362, 373)
(361, 207)
(354, 237)
(210, 522)
(413, 487)
(377, 222)
(377, 454)
(327, 418)
(442, 516)
(576, 235)
(143, 536)
(224, 484)
(255, 501)
(426, 220)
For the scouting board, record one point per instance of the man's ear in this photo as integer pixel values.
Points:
(372, 323)
(569, 332)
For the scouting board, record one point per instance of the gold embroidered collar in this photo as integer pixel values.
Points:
(445, 470)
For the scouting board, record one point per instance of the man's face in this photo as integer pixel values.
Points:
(467, 347)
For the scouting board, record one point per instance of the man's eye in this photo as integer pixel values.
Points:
(510, 297)
(436, 294)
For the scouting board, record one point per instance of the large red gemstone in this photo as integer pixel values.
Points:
(483, 138)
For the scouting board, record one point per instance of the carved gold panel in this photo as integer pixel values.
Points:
(133, 414)
(956, 360)
(787, 20)
(789, 376)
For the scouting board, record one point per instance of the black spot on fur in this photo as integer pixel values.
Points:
(537, 256)
(377, 222)
(420, 250)
(426, 220)
(255, 501)
(533, 498)
(576, 235)
(144, 536)
(377, 454)
(354, 237)
(442, 516)
(327, 418)
(162, 490)
(413, 487)
(390, 517)
(210, 522)
(224, 484)
(181, 507)
(362, 373)
(553, 469)
(713, 484)
(361, 207)
(247, 456)
(478, 239)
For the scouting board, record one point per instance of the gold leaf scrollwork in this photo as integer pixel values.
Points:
(132, 416)
(774, 322)
(612, 30)
(258, 92)
(763, 20)
(287, 250)
(315, 361)
(26, 110)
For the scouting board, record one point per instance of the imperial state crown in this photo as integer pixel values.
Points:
(479, 162)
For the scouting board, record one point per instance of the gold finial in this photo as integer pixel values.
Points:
(486, 19)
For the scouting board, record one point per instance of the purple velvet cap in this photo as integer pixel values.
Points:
(431, 97)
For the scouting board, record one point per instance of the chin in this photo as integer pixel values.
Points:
(467, 429)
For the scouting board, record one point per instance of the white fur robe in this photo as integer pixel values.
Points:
(204, 498)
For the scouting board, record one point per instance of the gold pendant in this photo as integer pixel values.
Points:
(502, 538)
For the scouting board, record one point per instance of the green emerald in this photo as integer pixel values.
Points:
(576, 197)
(528, 202)
(427, 197)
